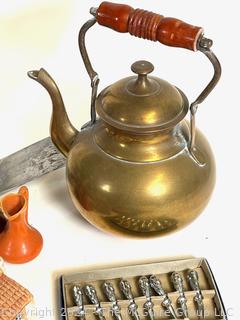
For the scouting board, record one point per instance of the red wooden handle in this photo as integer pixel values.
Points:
(148, 25)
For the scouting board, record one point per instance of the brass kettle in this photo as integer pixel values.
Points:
(140, 169)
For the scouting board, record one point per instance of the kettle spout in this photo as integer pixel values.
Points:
(62, 131)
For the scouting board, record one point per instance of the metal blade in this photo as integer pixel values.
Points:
(168, 305)
(172, 312)
(151, 314)
(117, 316)
(134, 314)
(100, 315)
(200, 306)
(184, 308)
(29, 163)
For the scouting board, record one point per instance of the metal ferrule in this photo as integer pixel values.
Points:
(93, 11)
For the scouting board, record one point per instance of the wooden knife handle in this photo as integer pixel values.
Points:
(148, 25)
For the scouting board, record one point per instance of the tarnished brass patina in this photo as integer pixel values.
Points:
(140, 169)
(132, 172)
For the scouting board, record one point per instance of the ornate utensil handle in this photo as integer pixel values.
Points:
(146, 290)
(92, 295)
(194, 284)
(156, 284)
(178, 285)
(110, 293)
(193, 280)
(127, 291)
(78, 299)
(148, 25)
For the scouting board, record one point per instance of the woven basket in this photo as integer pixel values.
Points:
(13, 298)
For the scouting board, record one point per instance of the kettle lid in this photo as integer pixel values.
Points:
(142, 103)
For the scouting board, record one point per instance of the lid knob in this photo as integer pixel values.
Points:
(142, 85)
(142, 67)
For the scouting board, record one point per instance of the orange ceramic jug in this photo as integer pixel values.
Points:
(19, 242)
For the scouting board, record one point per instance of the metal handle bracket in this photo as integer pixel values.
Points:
(203, 45)
(91, 72)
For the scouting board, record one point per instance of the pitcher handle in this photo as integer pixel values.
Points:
(23, 191)
(148, 25)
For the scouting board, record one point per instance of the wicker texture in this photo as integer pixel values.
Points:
(13, 298)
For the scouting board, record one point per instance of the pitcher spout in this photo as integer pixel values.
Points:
(62, 131)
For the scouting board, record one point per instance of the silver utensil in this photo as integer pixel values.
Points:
(78, 299)
(178, 285)
(194, 284)
(110, 293)
(146, 290)
(92, 295)
(127, 291)
(155, 283)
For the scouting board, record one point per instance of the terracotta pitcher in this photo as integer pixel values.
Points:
(19, 242)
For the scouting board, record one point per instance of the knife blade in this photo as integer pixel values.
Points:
(146, 290)
(127, 291)
(194, 284)
(155, 283)
(92, 295)
(110, 293)
(29, 163)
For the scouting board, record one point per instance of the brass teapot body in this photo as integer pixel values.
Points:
(140, 169)
(142, 197)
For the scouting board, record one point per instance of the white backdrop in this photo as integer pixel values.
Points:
(36, 34)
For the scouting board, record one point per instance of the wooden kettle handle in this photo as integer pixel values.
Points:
(148, 25)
